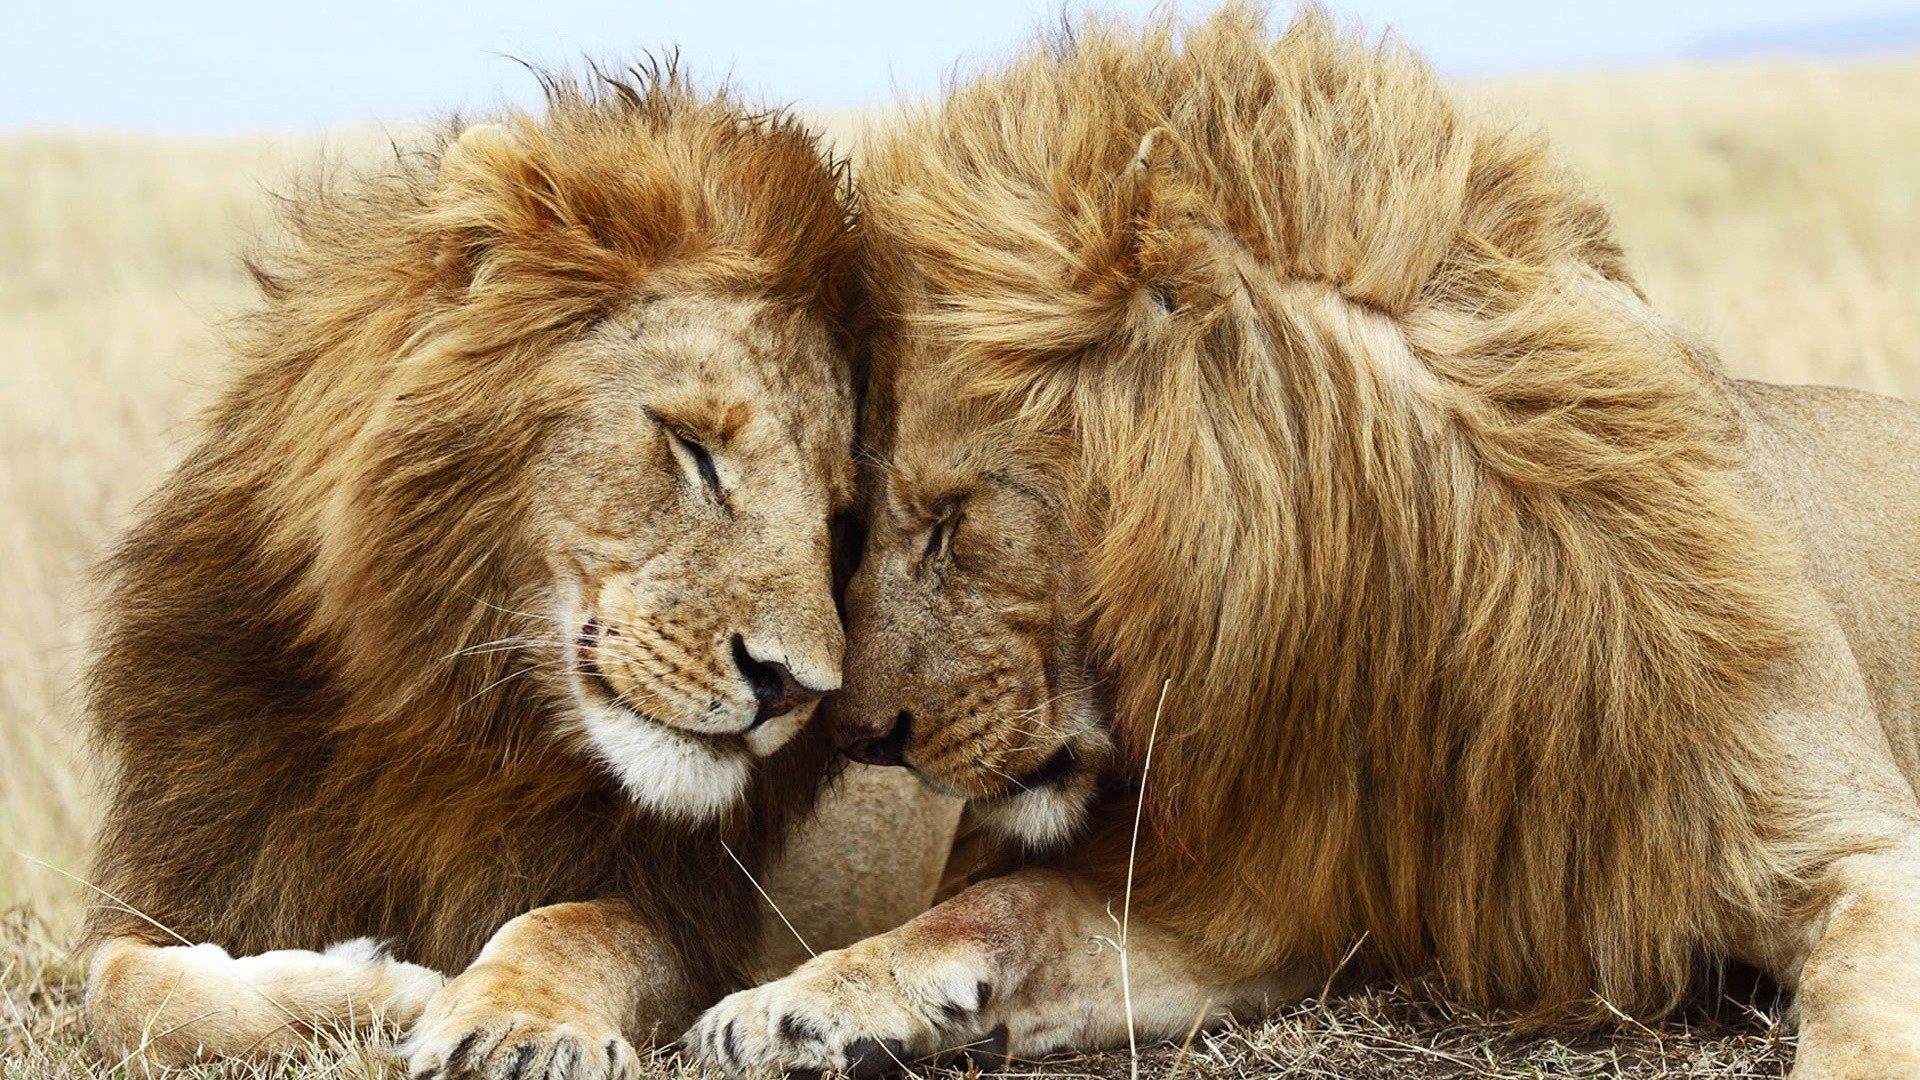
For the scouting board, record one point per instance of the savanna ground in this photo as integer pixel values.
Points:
(1773, 206)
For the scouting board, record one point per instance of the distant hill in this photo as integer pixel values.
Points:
(1879, 33)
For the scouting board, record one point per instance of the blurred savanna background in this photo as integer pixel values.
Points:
(1762, 162)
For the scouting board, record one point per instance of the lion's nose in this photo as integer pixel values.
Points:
(774, 687)
(889, 747)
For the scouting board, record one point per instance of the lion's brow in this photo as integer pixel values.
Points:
(1006, 479)
(707, 418)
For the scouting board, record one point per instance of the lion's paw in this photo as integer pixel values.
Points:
(836, 1013)
(488, 1032)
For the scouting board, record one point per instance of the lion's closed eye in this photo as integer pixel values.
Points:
(691, 451)
(940, 534)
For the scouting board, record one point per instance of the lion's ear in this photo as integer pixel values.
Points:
(490, 189)
(477, 148)
(1118, 253)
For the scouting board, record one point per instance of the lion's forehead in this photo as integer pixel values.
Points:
(765, 382)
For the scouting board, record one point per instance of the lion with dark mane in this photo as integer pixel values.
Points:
(486, 618)
(1269, 450)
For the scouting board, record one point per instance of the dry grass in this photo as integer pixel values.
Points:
(1404, 1033)
(1771, 207)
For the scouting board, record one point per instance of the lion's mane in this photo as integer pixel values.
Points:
(1385, 471)
(303, 747)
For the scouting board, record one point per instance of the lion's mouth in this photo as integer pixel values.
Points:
(990, 788)
(600, 691)
(590, 674)
(1051, 773)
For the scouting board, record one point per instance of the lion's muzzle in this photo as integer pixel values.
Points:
(887, 746)
(775, 690)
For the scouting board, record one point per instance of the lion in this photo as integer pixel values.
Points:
(480, 632)
(1294, 528)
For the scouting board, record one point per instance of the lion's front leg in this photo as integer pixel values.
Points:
(1859, 991)
(1022, 965)
(562, 992)
(155, 1007)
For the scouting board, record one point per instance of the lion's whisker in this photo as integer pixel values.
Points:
(1005, 776)
(508, 644)
(490, 605)
(507, 678)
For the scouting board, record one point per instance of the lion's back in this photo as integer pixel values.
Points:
(1840, 469)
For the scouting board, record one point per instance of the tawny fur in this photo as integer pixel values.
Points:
(304, 745)
(1360, 442)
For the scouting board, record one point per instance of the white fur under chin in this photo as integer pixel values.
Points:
(1044, 817)
(1050, 815)
(669, 772)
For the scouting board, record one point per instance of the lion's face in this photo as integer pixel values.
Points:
(683, 508)
(964, 642)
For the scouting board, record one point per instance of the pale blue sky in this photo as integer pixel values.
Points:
(227, 65)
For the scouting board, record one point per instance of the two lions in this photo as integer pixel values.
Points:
(1293, 526)
(485, 622)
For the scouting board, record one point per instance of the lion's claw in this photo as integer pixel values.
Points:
(467, 1039)
(837, 1015)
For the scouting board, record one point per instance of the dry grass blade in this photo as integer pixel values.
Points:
(1126, 902)
(770, 901)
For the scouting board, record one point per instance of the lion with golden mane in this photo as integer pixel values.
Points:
(480, 632)
(1269, 450)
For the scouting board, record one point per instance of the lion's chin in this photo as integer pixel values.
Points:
(674, 773)
(1043, 817)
